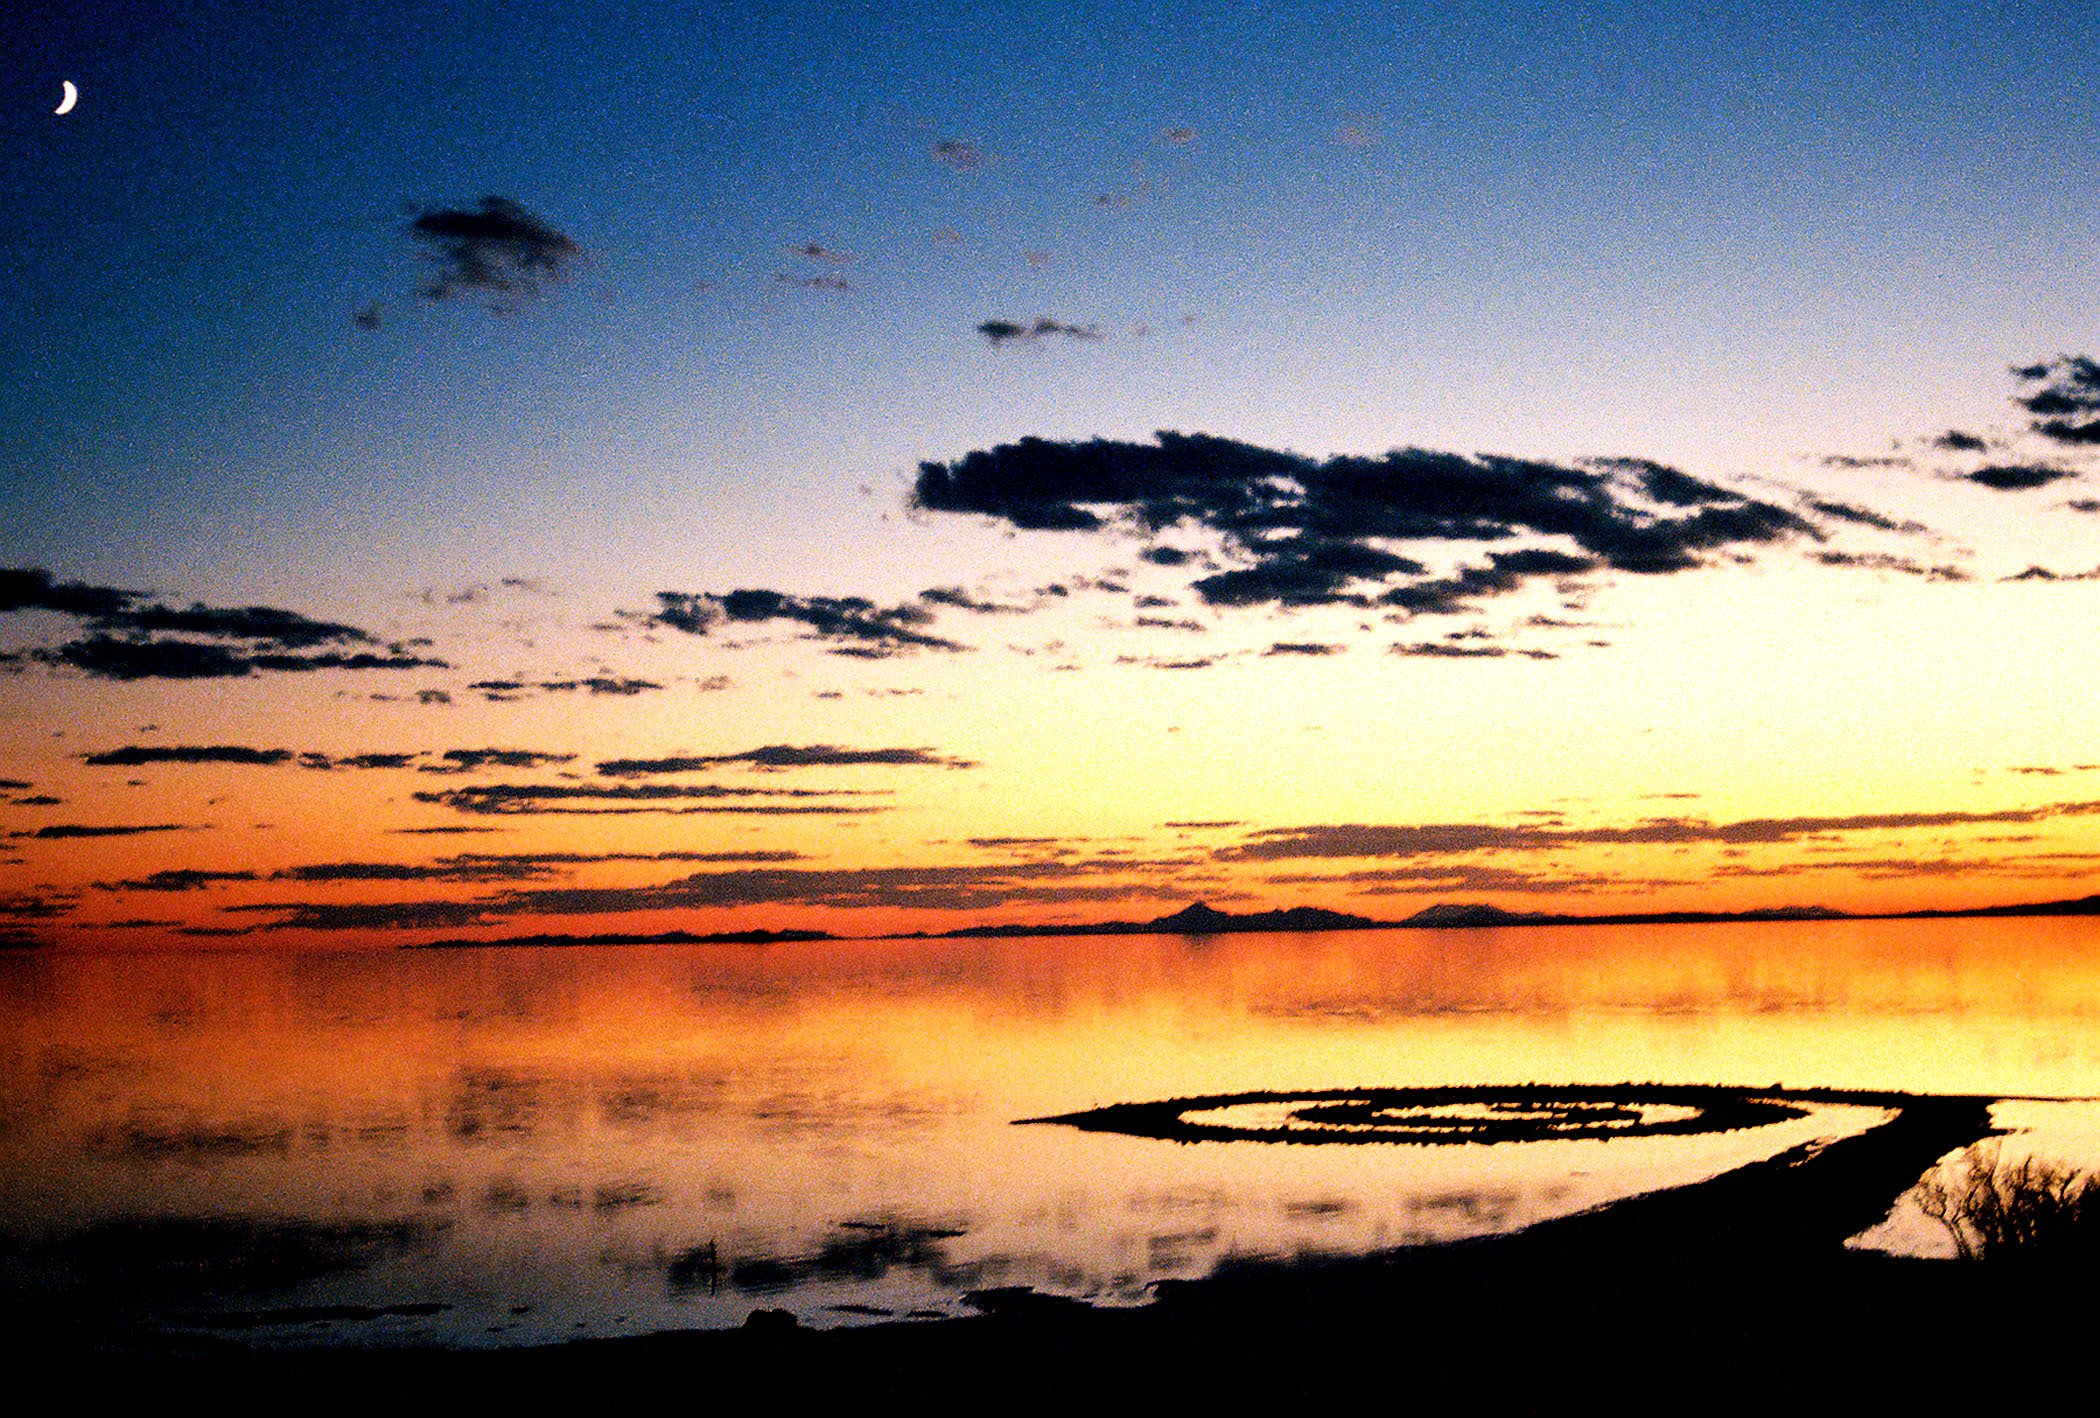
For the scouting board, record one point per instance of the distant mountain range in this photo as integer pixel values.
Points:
(1198, 919)
(1201, 919)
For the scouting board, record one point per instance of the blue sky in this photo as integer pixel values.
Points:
(1481, 226)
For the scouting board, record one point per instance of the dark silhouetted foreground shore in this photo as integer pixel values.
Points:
(1732, 1295)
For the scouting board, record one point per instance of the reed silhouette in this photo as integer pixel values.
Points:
(2032, 1211)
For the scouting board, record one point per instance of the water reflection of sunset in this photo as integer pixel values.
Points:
(575, 1126)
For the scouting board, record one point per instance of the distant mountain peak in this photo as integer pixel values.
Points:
(1195, 914)
(1201, 918)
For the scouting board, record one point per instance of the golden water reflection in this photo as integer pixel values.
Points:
(552, 1142)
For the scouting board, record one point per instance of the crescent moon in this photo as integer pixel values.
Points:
(72, 96)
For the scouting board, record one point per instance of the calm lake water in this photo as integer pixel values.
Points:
(513, 1146)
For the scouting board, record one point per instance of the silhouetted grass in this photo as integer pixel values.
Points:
(2030, 1211)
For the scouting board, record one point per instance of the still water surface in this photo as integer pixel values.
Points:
(518, 1145)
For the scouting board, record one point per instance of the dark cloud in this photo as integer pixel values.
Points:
(1446, 878)
(1010, 332)
(853, 626)
(67, 831)
(502, 690)
(2018, 477)
(1301, 647)
(469, 760)
(32, 588)
(458, 869)
(831, 283)
(1445, 650)
(1862, 516)
(548, 798)
(136, 755)
(1298, 571)
(497, 249)
(1956, 441)
(458, 760)
(566, 859)
(371, 916)
(180, 879)
(2065, 399)
(1888, 561)
(958, 155)
(263, 625)
(781, 755)
(104, 657)
(1505, 572)
(1451, 838)
(1313, 532)
(324, 763)
(962, 600)
(129, 636)
(941, 888)
(2043, 573)
(1167, 662)
(35, 906)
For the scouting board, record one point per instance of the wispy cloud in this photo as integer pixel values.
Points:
(177, 879)
(848, 625)
(470, 760)
(451, 760)
(546, 798)
(969, 887)
(502, 691)
(781, 755)
(134, 638)
(1012, 332)
(1450, 838)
